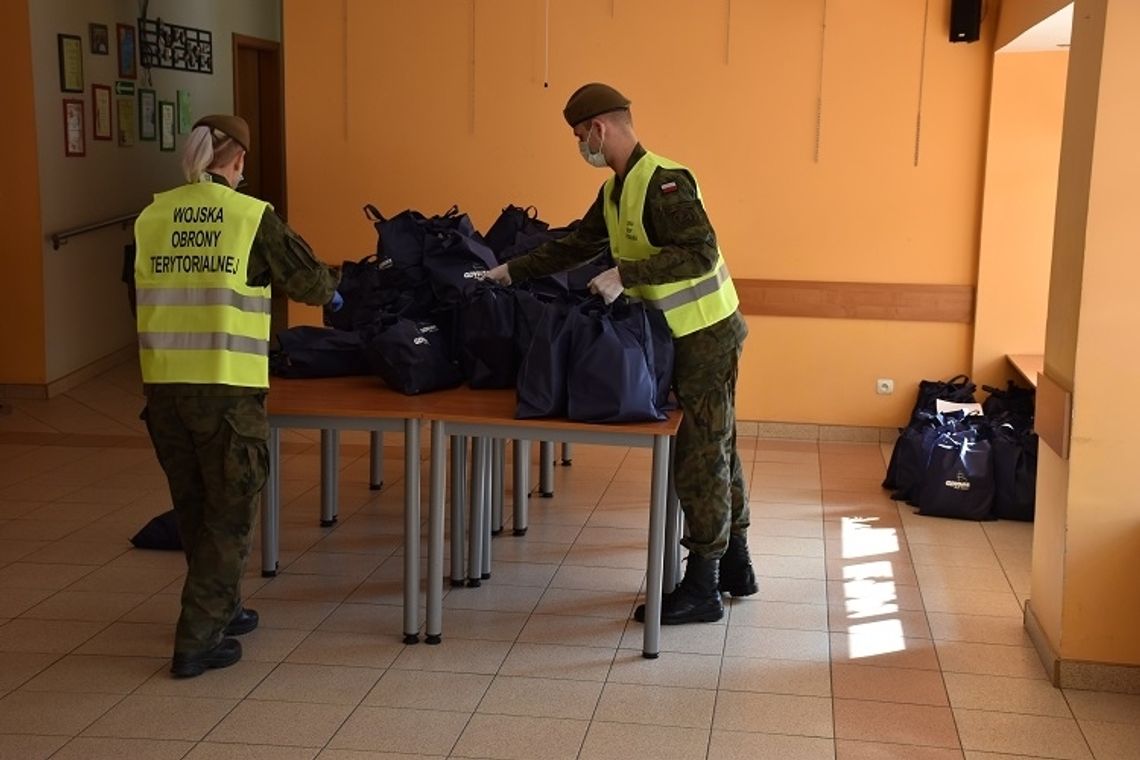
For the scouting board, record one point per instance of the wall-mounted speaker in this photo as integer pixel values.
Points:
(965, 20)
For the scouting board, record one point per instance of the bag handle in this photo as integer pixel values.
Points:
(372, 214)
(531, 213)
(959, 380)
(453, 211)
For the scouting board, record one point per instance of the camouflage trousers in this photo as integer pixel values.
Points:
(707, 470)
(214, 453)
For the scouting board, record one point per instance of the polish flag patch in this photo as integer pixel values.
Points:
(669, 187)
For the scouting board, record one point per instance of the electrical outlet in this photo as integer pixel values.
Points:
(884, 386)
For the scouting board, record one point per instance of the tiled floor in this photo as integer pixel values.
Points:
(876, 634)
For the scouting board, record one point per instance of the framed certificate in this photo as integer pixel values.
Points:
(167, 125)
(70, 62)
(101, 111)
(148, 115)
(125, 42)
(74, 133)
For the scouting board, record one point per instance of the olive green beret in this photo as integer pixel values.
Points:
(592, 100)
(234, 126)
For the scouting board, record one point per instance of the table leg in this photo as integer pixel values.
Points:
(521, 485)
(376, 461)
(488, 499)
(672, 573)
(411, 531)
(271, 507)
(476, 522)
(567, 454)
(546, 469)
(434, 630)
(498, 487)
(458, 504)
(651, 644)
(330, 470)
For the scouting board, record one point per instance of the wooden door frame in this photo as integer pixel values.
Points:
(274, 47)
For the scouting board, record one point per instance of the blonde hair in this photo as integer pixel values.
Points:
(206, 149)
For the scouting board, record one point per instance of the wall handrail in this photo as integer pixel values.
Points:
(61, 237)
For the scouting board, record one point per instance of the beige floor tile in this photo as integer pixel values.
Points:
(215, 751)
(52, 713)
(558, 661)
(900, 724)
(873, 597)
(17, 601)
(621, 741)
(974, 755)
(804, 617)
(307, 588)
(846, 749)
(1104, 706)
(1029, 696)
(410, 731)
(1112, 741)
(803, 678)
(424, 690)
(507, 737)
(29, 575)
(735, 745)
(234, 682)
(607, 604)
(324, 684)
(597, 578)
(896, 571)
(656, 705)
(286, 723)
(695, 671)
(301, 616)
(777, 644)
(767, 526)
(589, 555)
(127, 580)
(768, 566)
(16, 548)
(954, 556)
(494, 597)
(792, 590)
(691, 639)
(132, 640)
(358, 566)
(364, 618)
(524, 573)
(878, 684)
(95, 606)
(944, 578)
(18, 667)
(913, 623)
(971, 602)
(785, 546)
(454, 656)
(154, 717)
(45, 636)
(484, 624)
(978, 629)
(770, 510)
(96, 674)
(541, 698)
(92, 748)
(28, 747)
(1021, 734)
(575, 631)
(773, 713)
(530, 551)
(882, 643)
(989, 659)
(350, 649)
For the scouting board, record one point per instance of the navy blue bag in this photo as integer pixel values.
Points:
(399, 239)
(317, 352)
(513, 222)
(160, 533)
(490, 357)
(959, 477)
(360, 288)
(541, 384)
(456, 263)
(410, 356)
(1015, 471)
(612, 375)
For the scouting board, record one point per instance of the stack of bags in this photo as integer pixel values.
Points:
(420, 314)
(958, 459)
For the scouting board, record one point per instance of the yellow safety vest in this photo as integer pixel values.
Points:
(198, 321)
(689, 305)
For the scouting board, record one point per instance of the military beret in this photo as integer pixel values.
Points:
(592, 100)
(234, 126)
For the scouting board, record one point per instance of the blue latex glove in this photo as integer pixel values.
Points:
(337, 301)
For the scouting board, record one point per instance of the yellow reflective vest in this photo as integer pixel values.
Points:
(689, 305)
(198, 320)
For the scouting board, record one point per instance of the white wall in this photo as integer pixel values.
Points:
(86, 315)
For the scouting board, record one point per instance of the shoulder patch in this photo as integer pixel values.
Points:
(669, 187)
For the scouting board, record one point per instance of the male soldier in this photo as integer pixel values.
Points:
(651, 216)
(206, 256)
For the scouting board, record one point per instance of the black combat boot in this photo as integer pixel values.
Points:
(736, 574)
(244, 621)
(190, 664)
(695, 600)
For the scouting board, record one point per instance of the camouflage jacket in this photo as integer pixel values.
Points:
(675, 222)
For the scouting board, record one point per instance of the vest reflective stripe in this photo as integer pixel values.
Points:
(689, 305)
(204, 342)
(204, 297)
(198, 320)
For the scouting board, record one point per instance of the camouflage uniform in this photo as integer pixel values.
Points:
(709, 476)
(211, 441)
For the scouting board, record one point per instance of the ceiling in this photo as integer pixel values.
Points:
(1051, 34)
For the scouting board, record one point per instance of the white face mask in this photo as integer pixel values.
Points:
(597, 160)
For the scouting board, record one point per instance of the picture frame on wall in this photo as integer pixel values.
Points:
(125, 118)
(126, 43)
(148, 114)
(185, 119)
(101, 112)
(168, 124)
(74, 130)
(98, 39)
(70, 62)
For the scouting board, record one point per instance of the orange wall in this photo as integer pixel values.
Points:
(1026, 112)
(412, 122)
(1018, 16)
(22, 307)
